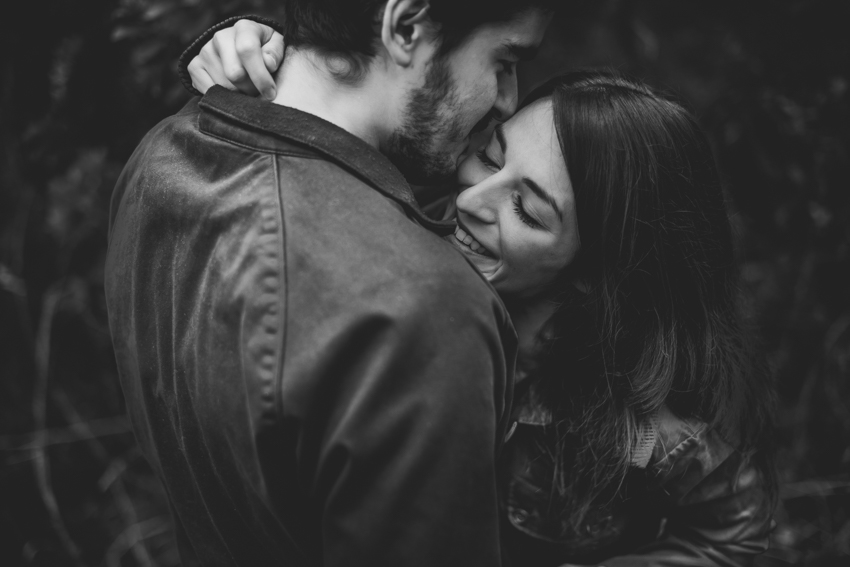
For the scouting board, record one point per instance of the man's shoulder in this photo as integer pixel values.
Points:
(184, 120)
(339, 230)
(438, 276)
(343, 230)
(179, 171)
(168, 143)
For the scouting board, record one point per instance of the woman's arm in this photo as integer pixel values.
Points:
(240, 54)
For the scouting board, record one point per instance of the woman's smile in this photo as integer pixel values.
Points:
(467, 243)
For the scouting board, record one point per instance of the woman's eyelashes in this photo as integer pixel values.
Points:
(516, 198)
(520, 211)
(483, 158)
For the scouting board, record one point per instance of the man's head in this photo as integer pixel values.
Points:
(442, 70)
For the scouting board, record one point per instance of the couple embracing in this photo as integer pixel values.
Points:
(548, 370)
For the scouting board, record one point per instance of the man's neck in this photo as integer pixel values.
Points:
(304, 83)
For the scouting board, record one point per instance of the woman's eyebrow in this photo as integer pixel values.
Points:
(544, 195)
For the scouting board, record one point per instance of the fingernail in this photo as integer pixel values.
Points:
(269, 94)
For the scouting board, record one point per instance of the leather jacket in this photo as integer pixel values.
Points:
(689, 499)
(314, 375)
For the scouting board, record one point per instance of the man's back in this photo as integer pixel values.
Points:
(315, 378)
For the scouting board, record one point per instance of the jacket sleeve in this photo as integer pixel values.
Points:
(412, 418)
(192, 51)
(721, 514)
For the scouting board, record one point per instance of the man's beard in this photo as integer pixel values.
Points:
(421, 147)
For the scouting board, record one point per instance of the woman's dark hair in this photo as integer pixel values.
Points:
(659, 322)
(347, 28)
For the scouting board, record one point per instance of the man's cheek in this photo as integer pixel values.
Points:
(488, 87)
(481, 94)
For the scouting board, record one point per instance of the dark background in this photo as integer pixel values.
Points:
(82, 81)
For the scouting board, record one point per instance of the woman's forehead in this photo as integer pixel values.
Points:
(532, 140)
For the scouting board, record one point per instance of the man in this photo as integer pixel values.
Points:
(315, 377)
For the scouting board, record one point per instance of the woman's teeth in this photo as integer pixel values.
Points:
(469, 241)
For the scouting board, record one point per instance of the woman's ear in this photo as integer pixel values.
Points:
(405, 28)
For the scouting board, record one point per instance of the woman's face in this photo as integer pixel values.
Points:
(516, 211)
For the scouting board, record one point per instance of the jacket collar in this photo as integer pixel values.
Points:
(334, 143)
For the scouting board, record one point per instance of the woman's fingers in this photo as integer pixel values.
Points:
(249, 38)
(225, 45)
(242, 57)
(206, 70)
(273, 52)
(201, 80)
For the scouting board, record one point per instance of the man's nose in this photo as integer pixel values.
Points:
(506, 100)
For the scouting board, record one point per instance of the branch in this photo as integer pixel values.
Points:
(41, 461)
(70, 434)
(110, 480)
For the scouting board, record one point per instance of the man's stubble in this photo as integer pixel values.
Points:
(422, 148)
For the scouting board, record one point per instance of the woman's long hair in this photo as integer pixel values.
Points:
(659, 322)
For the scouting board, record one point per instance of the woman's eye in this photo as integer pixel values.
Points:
(482, 157)
(524, 216)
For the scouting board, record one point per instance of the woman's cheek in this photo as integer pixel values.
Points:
(518, 244)
(538, 252)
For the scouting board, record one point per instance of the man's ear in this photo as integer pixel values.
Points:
(405, 27)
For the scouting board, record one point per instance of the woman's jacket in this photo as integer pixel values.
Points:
(689, 499)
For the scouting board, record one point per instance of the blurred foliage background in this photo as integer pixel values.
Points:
(81, 82)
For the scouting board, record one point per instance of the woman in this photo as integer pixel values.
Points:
(597, 214)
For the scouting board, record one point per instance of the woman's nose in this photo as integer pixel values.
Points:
(478, 202)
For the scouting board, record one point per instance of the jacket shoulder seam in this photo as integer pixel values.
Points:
(273, 152)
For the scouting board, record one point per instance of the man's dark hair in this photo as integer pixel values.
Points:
(348, 29)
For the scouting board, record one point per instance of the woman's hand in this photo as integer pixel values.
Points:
(240, 58)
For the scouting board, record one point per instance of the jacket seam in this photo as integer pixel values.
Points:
(283, 292)
(269, 151)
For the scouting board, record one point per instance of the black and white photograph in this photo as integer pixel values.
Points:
(425, 283)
